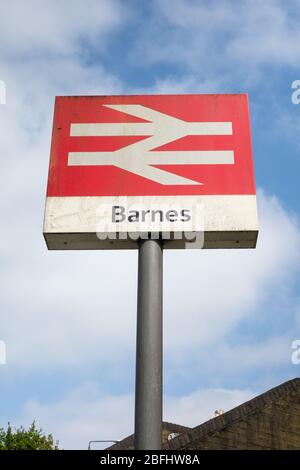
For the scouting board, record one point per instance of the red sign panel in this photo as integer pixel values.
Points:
(151, 145)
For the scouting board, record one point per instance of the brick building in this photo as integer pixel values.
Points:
(268, 421)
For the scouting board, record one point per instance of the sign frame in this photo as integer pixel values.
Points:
(209, 128)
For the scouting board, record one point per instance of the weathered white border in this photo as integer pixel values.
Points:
(228, 222)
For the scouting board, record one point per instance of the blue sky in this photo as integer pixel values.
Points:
(68, 319)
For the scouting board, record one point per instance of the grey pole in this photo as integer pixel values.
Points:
(148, 388)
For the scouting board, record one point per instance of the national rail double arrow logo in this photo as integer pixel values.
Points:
(139, 157)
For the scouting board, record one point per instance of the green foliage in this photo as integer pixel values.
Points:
(22, 439)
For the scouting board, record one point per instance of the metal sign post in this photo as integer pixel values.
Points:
(148, 394)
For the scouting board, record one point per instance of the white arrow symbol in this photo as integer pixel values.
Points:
(139, 157)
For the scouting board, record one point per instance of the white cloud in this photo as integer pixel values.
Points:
(32, 80)
(82, 415)
(216, 289)
(77, 308)
(58, 27)
(186, 84)
(268, 34)
(253, 356)
(86, 414)
(200, 405)
(223, 38)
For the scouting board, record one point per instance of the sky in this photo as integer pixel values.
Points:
(68, 319)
